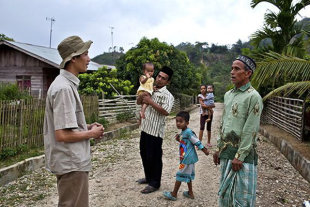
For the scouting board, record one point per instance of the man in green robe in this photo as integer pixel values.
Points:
(236, 147)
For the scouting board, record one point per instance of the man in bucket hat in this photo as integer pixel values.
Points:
(66, 134)
(236, 146)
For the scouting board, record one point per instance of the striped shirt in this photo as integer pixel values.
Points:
(154, 122)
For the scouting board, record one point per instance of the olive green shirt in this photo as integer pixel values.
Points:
(240, 124)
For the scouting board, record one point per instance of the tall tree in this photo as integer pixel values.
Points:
(293, 72)
(160, 54)
(279, 26)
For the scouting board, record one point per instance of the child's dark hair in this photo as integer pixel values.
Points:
(184, 115)
(210, 85)
(147, 63)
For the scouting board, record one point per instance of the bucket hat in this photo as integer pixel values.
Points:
(70, 47)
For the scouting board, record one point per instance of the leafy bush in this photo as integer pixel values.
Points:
(9, 91)
(11, 152)
(7, 152)
(104, 81)
(104, 122)
(122, 117)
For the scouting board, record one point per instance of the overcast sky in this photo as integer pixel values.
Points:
(171, 21)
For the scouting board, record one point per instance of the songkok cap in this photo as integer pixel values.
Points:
(70, 47)
(247, 61)
(167, 70)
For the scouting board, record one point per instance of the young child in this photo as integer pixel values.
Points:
(208, 101)
(188, 157)
(146, 86)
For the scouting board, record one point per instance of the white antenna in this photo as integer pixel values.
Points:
(112, 36)
(52, 19)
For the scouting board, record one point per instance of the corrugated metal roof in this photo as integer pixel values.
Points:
(46, 54)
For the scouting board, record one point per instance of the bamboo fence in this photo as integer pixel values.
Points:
(21, 121)
(110, 108)
(287, 114)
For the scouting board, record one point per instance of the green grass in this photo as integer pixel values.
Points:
(22, 156)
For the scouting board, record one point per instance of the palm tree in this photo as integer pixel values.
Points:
(279, 27)
(294, 71)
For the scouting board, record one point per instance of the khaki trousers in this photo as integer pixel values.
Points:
(73, 189)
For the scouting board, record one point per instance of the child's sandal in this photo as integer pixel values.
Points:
(187, 195)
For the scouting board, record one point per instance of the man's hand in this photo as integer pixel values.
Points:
(89, 126)
(236, 164)
(97, 131)
(216, 158)
(147, 100)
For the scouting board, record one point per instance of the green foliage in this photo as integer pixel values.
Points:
(105, 123)
(93, 118)
(289, 75)
(125, 116)
(280, 26)
(4, 37)
(108, 58)
(11, 152)
(10, 91)
(103, 81)
(161, 54)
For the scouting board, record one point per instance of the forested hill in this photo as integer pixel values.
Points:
(108, 58)
(215, 60)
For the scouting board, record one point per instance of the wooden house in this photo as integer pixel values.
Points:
(32, 67)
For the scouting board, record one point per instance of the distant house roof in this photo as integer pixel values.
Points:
(46, 54)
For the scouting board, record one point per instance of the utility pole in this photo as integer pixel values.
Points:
(52, 19)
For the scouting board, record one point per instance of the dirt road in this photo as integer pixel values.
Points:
(117, 165)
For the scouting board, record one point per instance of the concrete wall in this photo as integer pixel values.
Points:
(300, 163)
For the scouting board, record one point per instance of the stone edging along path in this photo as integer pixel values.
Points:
(300, 163)
(11, 173)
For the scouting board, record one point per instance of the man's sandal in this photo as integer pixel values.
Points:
(142, 181)
(148, 189)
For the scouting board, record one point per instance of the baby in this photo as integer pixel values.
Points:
(146, 86)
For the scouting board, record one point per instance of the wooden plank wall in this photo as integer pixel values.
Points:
(15, 63)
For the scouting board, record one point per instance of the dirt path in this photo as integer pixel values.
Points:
(117, 165)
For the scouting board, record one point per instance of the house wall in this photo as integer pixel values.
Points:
(15, 63)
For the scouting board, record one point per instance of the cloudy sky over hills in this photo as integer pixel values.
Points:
(171, 21)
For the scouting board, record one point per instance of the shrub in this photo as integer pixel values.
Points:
(9, 91)
(124, 116)
(104, 122)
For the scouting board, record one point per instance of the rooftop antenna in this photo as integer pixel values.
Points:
(52, 19)
(112, 37)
